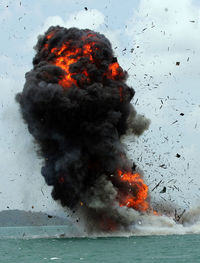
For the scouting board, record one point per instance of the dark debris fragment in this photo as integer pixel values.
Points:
(177, 216)
(163, 166)
(174, 122)
(163, 190)
(156, 185)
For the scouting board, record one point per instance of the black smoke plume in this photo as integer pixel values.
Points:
(77, 113)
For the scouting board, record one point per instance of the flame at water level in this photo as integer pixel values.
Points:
(138, 192)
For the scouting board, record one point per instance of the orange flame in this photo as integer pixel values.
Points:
(137, 198)
(114, 71)
(50, 35)
(64, 58)
(68, 54)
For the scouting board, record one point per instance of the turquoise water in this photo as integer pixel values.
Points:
(143, 249)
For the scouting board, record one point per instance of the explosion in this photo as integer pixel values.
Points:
(76, 104)
(138, 198)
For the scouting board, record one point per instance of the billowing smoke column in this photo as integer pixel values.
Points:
(77, 106)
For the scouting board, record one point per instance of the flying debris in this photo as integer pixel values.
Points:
(177, 217)
(76, 104)
(174, 122)
(134, 167)
(156, 185)
(163, 166)
(163, 190)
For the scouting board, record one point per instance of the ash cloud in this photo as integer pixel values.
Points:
(77, 119)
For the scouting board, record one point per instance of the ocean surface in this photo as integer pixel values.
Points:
(50, 244)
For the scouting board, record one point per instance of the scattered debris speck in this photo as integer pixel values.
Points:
(163, 190)
(163, 166)
(174, 122)
(156, 185)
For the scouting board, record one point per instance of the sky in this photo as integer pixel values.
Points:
(157, 42)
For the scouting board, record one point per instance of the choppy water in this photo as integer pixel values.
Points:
(43, 244)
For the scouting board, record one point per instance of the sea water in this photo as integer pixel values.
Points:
(51, 244)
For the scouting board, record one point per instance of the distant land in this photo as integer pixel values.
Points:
(23, 218)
